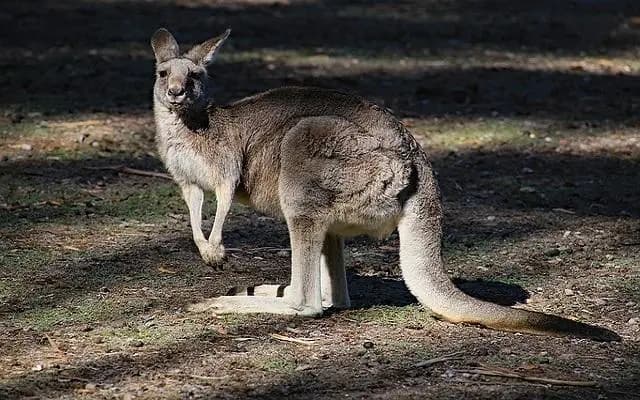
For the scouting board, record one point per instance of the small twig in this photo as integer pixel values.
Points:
(563, 210)
(472, 382)
(133, 171)
(436, 360)
(202, 377)
(53, 344)
(75, 378)
(243, 339)
(272, 249)
(304, 341)
(549, 381)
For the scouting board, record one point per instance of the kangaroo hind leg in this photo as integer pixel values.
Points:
(335, 292)
(333, 280)
(302, 297)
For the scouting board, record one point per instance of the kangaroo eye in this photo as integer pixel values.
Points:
(162, 74)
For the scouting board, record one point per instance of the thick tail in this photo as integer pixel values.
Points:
(422, 267)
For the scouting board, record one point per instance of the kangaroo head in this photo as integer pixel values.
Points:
(182, 80)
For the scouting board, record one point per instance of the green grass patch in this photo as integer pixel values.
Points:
(17, 263)
(276, 365)
(153, 201)
(152, 333)
(455, 135)
(68, 203)
(412, 350)
(629, 284)
(23, 130)
(78, 311)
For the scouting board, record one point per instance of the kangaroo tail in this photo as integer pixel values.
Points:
(422, 267)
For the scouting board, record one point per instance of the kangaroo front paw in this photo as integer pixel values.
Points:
(211, 254)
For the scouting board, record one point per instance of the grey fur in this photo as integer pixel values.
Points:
(331, 165)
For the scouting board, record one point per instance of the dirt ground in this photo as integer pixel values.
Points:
(529, 110)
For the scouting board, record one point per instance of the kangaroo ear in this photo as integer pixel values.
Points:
(164, 45)
(205, 53)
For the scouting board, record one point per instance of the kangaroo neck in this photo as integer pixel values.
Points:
(196, 120)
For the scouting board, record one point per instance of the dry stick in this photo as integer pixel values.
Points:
(497, 383)
(53, 344)
(550, 381)
(202, 377)
(304, 341)
(436, 360)
(133, 171)
(272, 249)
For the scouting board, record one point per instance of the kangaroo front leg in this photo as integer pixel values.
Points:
(335, 292)
(224, 198)
(194, 197)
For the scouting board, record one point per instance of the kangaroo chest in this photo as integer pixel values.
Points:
(185, 156)
(186, 165)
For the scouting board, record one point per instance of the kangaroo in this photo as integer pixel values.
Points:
(332, 165)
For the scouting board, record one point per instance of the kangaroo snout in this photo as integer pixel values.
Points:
(176, 94)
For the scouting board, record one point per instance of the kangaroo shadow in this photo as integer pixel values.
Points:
(370, 291)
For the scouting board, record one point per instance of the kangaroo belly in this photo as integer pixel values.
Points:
(378, 229)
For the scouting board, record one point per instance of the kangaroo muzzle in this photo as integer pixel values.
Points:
(176, 94)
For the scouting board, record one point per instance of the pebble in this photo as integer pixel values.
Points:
(569, 292)
(527, 189)
(368, 345)
(633, 321)
(283, 253)
(552, 252)
(136, 343)
(600, 302)
(618, 359)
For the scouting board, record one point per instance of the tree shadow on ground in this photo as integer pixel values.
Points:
(70, 57)
(540, 26)
(372, 291)
(584, 185)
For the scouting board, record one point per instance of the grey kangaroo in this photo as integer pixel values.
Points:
(332, 165)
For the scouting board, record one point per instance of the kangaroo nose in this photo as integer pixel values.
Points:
(175, 91)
